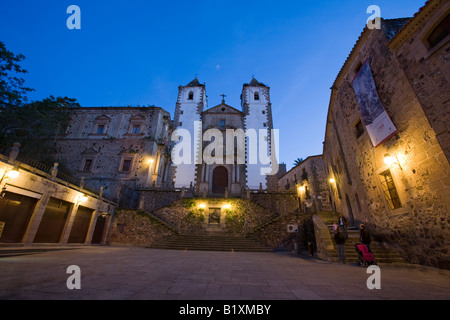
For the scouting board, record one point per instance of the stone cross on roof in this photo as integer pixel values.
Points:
(223, 97)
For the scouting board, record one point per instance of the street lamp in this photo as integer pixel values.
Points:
(390, 160)
(8, 174)
(83, 198)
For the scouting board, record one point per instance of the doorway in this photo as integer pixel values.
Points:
(220, 180)
(15, 213)
(97, 237)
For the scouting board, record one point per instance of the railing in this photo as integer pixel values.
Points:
(48, 169)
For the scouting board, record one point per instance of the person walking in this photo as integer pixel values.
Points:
(339, 239)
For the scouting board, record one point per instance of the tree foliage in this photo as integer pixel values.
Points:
(12, 89)
(35, 124)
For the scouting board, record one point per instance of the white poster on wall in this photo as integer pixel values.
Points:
(377, 122)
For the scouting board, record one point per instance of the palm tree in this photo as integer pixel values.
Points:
(298, 161)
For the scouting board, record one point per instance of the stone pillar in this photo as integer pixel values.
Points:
(69, 223)
(35, 220)
(54, 170)
(14, 152)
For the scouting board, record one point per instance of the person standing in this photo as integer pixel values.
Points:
(343, 223)
(339, 239)
(364, 236)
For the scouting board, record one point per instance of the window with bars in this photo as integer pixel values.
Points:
(389, 190)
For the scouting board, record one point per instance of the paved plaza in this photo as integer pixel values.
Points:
(124, 273)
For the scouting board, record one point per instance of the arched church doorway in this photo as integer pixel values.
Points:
(220, 180)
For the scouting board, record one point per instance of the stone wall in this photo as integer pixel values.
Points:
(136, 228)
(277, 236)
(154, 199)
(277, 202)
(427, 68)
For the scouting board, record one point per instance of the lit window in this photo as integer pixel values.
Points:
(390, 191)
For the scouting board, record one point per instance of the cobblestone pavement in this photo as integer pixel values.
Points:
(121, 273)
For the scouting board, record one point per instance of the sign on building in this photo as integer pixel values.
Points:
(377, 122)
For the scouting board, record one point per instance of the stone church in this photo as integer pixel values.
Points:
(121, 150)
(225, 141)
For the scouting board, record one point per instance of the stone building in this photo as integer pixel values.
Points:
(386, 141)
(117, 150)
(220, 152)
(308, 180)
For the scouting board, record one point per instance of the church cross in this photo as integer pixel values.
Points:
(223, 97)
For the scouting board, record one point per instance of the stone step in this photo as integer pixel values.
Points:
(381, 253)
(210, 243)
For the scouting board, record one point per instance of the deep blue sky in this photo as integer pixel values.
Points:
(137, 52)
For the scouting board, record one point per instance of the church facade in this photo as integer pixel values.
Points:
(227, 149)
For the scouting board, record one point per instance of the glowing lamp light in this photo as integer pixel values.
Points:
(12, 174)
(202, 206)
(83, 199)
(332, 180)
(389, 160)
(227, 206)
(150, 161)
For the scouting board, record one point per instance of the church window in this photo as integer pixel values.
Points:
(100, 129)
(87, 165)
(191, 95)
(264, 112)
(137, 123)
(265, 124)
(136, 129)
(256, 95)
(222, 123)
(126, 165)
(439, 33)
(389, 189)
(101, 125)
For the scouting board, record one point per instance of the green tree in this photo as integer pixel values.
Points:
(35, 125)
(12, 89)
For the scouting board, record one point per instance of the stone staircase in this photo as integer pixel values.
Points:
(210, 243)
(381, 252)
